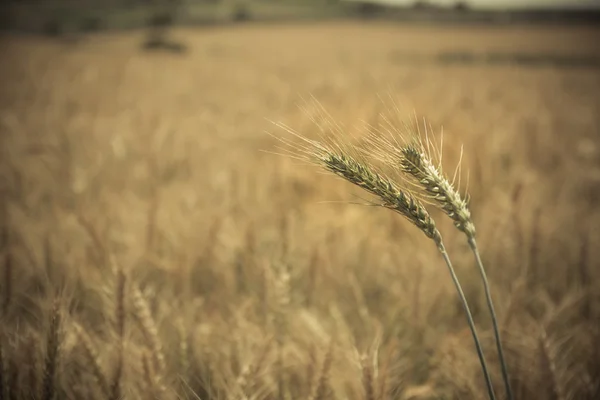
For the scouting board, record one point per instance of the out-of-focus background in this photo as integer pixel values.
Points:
(154, 247)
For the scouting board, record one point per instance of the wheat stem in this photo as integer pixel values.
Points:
(490, 304)
(463, 299)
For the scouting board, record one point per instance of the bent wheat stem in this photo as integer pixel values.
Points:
(463, 299)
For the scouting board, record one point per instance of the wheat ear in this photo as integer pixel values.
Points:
(322, 384)
(52, 353)
(336, 160)
(415, 162)
(120, 316)
(368, 378)
(149, 328)
(93, 358)
(4, 371)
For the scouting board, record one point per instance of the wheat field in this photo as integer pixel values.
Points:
(154, 247)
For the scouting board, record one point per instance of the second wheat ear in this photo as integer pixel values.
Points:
(415, 162)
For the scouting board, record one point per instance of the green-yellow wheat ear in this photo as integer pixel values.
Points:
(388, 192)
(416, 163)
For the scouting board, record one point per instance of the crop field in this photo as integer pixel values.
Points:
(154, 246)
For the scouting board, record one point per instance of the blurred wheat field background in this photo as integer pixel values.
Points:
(153, 248)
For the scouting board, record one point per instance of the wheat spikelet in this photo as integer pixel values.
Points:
(248, 377)
(310, 374)
(549, 366)
(146, 321)
(93, 358)
(154, 380)
(415, 162)
(30, 346)
(322, 385)
(4, 371)
(52, 353)
(120, 316)
(368, 378)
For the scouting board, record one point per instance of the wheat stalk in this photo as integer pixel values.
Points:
(338, 160)
(52, 353)
(414, 160)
